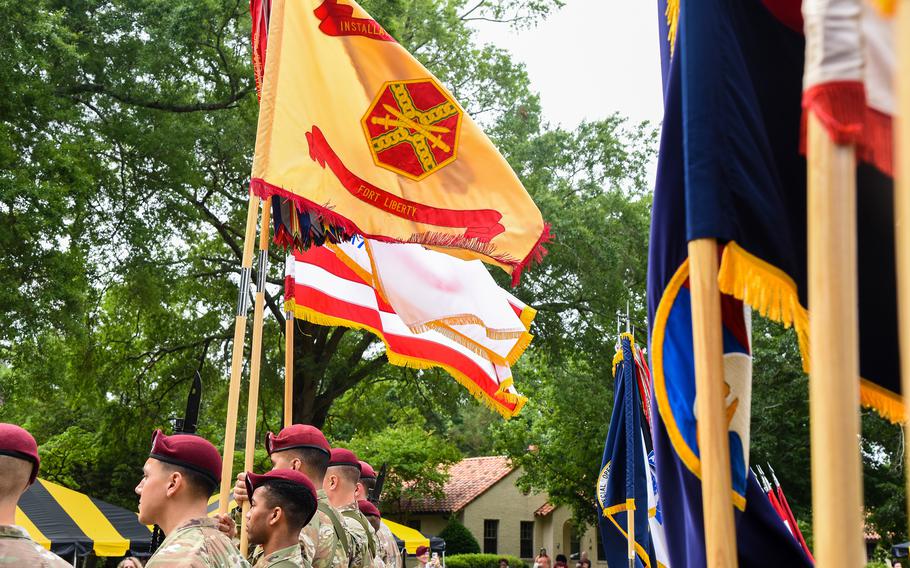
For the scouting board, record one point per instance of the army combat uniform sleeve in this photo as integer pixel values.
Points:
(18, 549)
(391, 556)
(324, 541)
(197, 544)
(289, 557)
(363, 543)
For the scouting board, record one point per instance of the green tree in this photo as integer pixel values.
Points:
(125, 146)
(417, 460)
(459, 539)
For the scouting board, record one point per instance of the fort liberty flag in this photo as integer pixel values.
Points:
(363, 139)
(335, 285)
(624, 485)
(729, 168)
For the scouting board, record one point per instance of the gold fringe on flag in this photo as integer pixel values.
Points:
(772, 293)
(399, 360)
(672, 14)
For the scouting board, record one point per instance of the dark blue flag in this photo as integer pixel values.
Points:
(624, 483)
(730, 169)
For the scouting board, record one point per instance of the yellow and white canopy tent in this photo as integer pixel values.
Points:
(72, 524)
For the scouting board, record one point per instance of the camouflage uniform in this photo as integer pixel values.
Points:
(323, 546)
(18, 549)
(285, 558)
(197, 544)
(363, 539)
(388, 548)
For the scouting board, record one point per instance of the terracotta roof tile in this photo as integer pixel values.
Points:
(545, 510)
(467, 480)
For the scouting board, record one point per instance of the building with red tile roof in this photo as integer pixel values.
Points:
(482, 494)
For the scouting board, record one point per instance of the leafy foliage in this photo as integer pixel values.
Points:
(417, 460)
(780, 436)
(460, 541)
(125, 145)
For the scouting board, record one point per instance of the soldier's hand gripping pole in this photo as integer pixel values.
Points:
(230, 427)
(255, 362)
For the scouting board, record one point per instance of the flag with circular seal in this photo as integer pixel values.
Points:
(362, 139)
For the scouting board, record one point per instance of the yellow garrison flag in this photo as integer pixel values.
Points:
(363, 138)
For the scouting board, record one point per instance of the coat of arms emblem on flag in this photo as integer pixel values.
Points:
(412, 128)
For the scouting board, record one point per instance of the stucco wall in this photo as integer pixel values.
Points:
(503, 501)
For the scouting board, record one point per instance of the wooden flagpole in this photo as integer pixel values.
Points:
(837, 500)
(252, 410)
(713, 437)
(902, 198)
(630, 522)
(230, 426)
(288, 368)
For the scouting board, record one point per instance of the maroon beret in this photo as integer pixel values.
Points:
(368, 508)
(189, 451)
(366, 471)
(421, 550)
(293, 476)
(344, 456)
(297, 436)
(18, 443)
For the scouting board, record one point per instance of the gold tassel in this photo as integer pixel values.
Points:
(886, 403)
(767, 289)
(772, 293)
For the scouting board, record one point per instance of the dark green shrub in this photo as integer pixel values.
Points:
(459, 539)
(481, 560)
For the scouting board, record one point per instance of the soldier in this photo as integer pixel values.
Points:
(324, 542)
(367, 481)
(373, 517)
(282, 502)
(385, 540)
(18, 470)
(178, 478)
(340, 484)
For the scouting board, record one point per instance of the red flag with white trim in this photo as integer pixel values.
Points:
(326, 286)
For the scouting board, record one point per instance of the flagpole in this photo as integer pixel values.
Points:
(629, 385)
(288, 368)
(630, 517)
(834, 351)
(252, 409)
(713, 439)
(230, 426)
(902, 199)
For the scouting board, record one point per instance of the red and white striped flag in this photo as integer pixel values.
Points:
(327, 286)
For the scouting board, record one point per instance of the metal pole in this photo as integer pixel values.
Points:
(252, 410)
(230, 427)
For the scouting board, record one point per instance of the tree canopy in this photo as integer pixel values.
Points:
(125, 145)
